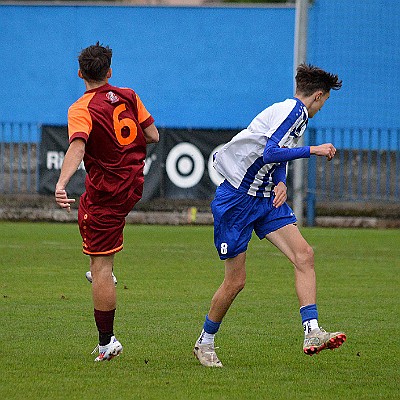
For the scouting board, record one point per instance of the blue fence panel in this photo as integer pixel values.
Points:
(358, 138)
(366, 167)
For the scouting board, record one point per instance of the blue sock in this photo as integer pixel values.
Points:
(309, 317)
(211, 326)
(308, 312)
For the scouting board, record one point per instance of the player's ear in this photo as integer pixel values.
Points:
(318, 94)
(80, 74)
(109, 73)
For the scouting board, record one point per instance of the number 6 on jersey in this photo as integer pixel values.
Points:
(119, 124)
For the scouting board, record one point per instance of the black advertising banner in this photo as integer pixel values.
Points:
(189, 173)
(178, 167)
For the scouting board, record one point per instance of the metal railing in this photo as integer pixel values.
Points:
(366, 167)
(19, 146)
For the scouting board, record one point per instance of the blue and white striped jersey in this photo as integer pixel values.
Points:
(258, 154)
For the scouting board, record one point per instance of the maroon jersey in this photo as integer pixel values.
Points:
(111, 121)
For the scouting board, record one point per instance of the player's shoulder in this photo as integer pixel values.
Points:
(288, 106)
(285, 104)
(83, 100)
(122, 89)
(82, 103)
(280, 108)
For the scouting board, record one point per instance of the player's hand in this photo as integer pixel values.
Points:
(327, 149)
(280, 191)
(62, 199)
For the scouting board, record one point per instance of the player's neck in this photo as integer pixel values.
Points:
(307, 101)
(95, 85)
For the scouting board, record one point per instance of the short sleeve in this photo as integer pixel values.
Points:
(79, 119)
(144, 117)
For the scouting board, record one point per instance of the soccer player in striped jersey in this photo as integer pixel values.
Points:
(253, 197)
(108, 129)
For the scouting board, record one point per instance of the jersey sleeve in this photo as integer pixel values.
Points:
(79, 119)
(275, 154)
(279, 174)
(274, 151)
(144, 117)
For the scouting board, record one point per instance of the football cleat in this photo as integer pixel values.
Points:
(318, 340)
(109, 351)
(90, 279)
(206, 354)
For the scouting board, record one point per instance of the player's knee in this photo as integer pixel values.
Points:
(305, 258)
(101, 273)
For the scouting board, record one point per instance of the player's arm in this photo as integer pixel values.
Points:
(151, 134)
(273, 153)
(280, 189)
(146, 122)
(72, 160)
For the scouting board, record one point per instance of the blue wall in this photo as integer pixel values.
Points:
(211, 67)
(193, 67)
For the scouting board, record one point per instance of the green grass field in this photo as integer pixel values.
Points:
(166, 278)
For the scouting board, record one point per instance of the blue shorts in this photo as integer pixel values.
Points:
(237, 214)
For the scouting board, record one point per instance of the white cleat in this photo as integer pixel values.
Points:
(108, 352)
(319, 339)
(206, 354)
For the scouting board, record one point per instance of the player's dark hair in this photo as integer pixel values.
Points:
(94, 62)
(310, 79)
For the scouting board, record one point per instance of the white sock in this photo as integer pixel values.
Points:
(206, 338)
(310, 325)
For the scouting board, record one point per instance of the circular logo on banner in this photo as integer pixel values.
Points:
(215, 176)
(185, 165)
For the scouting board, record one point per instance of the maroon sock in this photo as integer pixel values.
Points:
(105, 325)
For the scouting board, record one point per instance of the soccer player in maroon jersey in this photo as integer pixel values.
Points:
(108, 128)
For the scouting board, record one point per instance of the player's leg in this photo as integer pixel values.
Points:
(233, 283)
(104, 302)
(103, 288)
(234, 214)
(289, 240)
(102, 233)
